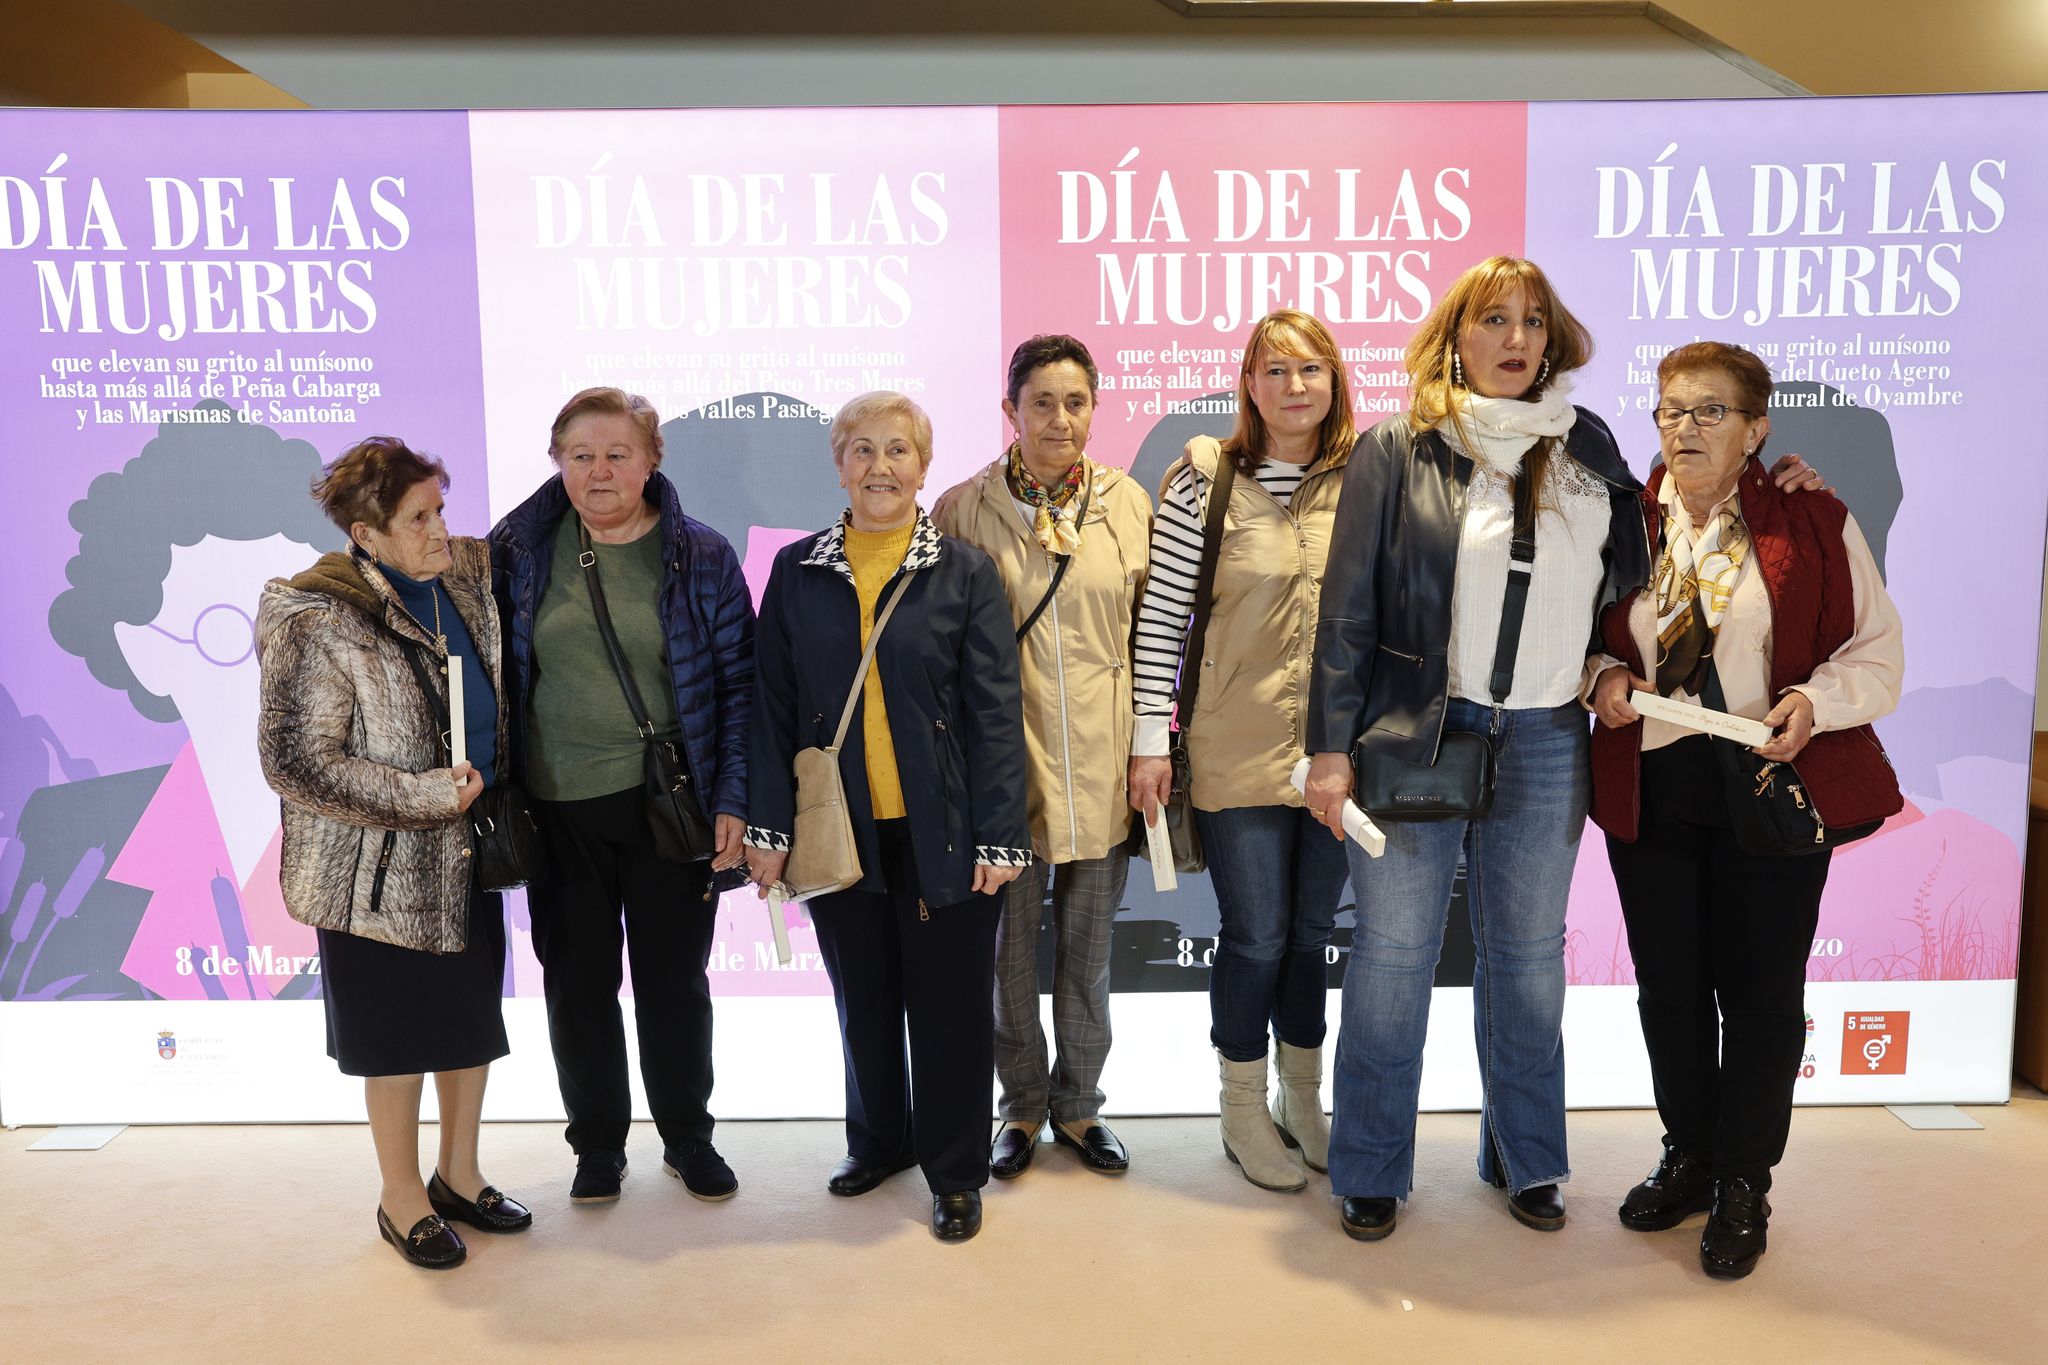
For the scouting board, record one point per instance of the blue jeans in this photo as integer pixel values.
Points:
(1277, 876)
(1518, 875)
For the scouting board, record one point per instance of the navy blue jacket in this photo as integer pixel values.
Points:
(705, 609)
(948, 660)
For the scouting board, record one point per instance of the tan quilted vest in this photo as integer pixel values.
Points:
(1245, 735)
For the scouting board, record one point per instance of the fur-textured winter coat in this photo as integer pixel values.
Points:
(372, 843)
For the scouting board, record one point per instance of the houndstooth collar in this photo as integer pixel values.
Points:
(830, 551)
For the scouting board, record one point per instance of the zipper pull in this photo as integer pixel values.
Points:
(922, 912)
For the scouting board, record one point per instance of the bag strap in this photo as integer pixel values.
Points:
(1057, 574)
(1205, 592)
(436, 704)
(860, 675)
(588, 559)
(1521, 567)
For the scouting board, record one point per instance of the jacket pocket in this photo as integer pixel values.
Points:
(952, 783)
(383, 868)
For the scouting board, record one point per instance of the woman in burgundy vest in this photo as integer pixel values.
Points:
(1769, 606)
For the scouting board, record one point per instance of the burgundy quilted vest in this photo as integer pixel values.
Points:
(1797, 541)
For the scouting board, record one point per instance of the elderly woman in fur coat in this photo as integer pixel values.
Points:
(375, 856)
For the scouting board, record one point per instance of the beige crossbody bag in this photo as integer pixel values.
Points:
(822, 855)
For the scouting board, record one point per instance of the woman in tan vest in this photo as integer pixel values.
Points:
(1070, 539)
(1277, 875)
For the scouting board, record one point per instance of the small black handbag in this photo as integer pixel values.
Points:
(505, 842)
(1459, 783)
(1770, 810)
(675, 817)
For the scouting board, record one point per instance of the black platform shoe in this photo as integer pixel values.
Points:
(492, 1210)
(1733, 1241)
(1680, 1187)
(1540, 1206)
(431, 1244)
(956, 1216)
(1367, 1220)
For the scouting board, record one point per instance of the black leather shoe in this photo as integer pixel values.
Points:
(1009, 1156)
(492, 1211)
(1368, 1220)
(702, 1170)
(1680, 1187)
(855, 1177)
(598, 1173)
(956, 1217)
(1098, 1148)
(431, 1243)
(1733, 1241)
(1540, 1206)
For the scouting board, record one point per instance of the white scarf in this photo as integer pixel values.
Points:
(1503, 429)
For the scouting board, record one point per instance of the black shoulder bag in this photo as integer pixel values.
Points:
(674, 814)
(1769, 808)
(504, 837)
(1058, 573)
(1459, 784)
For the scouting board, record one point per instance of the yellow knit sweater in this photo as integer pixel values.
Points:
(874, 557)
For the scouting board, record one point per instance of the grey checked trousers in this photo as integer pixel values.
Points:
(1085, 897)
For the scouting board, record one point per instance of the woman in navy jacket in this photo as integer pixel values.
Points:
(934, 769)
(685, 622)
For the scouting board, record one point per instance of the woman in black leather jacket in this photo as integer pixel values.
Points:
(1410, 649)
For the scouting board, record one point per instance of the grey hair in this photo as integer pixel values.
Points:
(882, 403)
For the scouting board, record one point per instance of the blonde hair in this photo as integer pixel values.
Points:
(882, 403)
(1289, 332)
(608, 402)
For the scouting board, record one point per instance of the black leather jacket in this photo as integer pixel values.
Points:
(1382, 668)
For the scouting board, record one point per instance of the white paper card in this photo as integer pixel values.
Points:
(776, 900)
(1738, 728)
(1357, 823)
(1159, 846)
(458, 733)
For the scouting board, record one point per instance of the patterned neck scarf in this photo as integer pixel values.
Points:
(1695, 579)
(1055, 527)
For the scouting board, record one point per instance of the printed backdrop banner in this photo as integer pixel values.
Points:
(198, 309)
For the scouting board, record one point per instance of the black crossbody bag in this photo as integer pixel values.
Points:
(1769, 808)
(504, 839)
(675, 816)
(1459, 784)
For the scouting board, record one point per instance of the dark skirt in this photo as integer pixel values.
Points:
(399, 1012)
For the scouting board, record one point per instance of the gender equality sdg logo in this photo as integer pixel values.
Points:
(166, 1045)
(1875, 1044)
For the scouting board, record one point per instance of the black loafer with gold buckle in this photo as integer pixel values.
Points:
(431, 1244)
(492, 1211)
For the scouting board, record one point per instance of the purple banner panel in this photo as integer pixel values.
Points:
(199, 309)
(1882, 256)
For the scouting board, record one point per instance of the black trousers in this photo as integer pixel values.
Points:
(606, 891)
(893, 959)
(1720, 940)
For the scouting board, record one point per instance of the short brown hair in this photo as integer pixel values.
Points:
(1752, 377)
(369, 479)
(608, 402)
(1290, 332)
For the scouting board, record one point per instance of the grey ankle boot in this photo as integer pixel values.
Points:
(1298, 1108)
(1249, 1138)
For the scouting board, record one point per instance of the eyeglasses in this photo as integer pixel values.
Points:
(223, 634)
(1706, 415)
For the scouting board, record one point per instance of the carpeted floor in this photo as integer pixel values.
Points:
(257, 1243)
